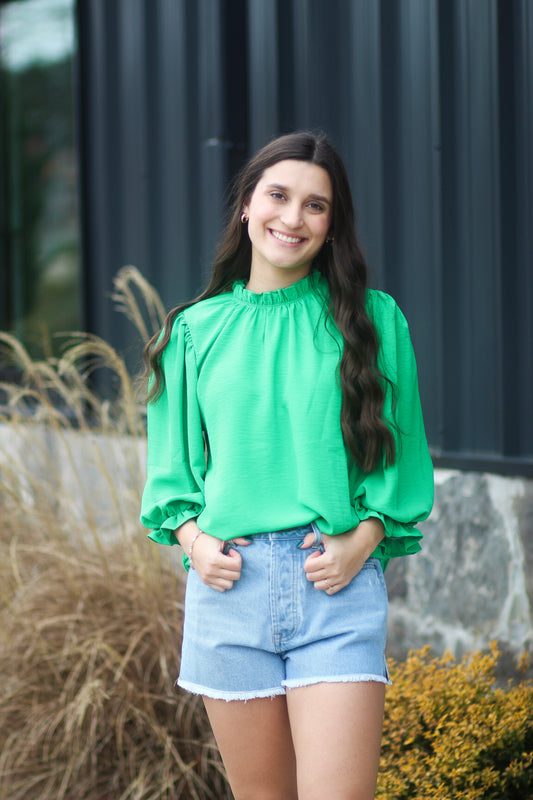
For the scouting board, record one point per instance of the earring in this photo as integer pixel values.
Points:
(244, 218)
(330, 239)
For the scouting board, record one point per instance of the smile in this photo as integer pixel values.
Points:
(284, 238)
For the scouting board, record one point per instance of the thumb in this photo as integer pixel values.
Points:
(307, 541)
(232, 553)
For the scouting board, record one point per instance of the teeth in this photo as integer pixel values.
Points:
(289, 239)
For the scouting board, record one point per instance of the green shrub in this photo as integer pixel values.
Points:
(449, 733)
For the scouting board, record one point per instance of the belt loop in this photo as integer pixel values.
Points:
(318, 535)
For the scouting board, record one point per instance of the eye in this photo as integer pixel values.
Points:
(277, 195)
(314, 206)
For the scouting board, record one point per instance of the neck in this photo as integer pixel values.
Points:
(274, 279)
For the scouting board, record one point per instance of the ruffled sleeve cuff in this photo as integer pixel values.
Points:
(163, 532)
(401, 538)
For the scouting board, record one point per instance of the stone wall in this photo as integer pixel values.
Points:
(473, 580)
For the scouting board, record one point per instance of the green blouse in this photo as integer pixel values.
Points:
(246, 434)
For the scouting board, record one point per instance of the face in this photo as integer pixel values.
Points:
(289, 219)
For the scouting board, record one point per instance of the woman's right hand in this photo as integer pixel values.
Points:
(215, 568)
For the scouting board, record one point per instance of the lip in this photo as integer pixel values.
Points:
(287, 239)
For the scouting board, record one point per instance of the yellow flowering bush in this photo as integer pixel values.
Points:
(449, 733)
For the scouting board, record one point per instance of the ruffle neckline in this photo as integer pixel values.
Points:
(278, 296)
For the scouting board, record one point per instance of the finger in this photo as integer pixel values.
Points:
(241, 540)
(235, 558)
(221, 587)
(227, 582)
(226, 566)
(315, 577)
(327, 586)
(307, 541)
(221, 580)
(226, 574)
(314, 562)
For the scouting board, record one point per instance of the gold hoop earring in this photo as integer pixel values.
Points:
(244, 218)
(330, 239)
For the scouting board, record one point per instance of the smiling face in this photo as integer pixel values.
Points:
(289, 219)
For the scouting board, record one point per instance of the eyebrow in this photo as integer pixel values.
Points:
(311, 196)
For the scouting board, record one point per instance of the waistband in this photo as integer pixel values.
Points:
(291, 533)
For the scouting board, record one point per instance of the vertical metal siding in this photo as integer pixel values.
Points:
(263, 71)
(412, 223)
(517, 216)
(430, 103)
(168, 217)
(361, 129)
(156, 156)
(471, 227)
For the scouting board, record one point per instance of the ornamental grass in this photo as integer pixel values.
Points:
(91, 613)
(89, 654)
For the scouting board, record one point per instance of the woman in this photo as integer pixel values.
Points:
(287, 456)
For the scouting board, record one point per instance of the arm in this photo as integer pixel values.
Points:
(173, 492)
(391, 499)
(401, 494)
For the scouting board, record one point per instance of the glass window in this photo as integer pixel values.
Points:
(39, 210)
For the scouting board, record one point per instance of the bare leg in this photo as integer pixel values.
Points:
(336, 730)
(254, 739)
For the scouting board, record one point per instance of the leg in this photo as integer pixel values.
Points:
(336, 730)
(254, 740)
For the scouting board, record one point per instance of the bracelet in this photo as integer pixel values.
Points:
(195, 537)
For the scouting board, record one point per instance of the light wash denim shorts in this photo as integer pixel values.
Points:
(274, 631)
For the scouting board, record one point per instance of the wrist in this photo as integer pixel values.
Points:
(186, 533)
(373, 531)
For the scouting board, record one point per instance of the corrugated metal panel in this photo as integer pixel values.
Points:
(471, 222)
(156, 157)
(429, 102)
(516, 170)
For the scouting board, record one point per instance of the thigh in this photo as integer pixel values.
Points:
(336, 731)
(254, 739)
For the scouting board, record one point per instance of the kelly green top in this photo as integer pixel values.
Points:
(246, 435)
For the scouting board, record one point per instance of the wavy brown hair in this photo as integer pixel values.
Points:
(366, 433)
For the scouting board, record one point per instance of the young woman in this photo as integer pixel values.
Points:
(287, 456)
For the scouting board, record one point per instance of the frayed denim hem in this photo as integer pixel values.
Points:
(300, 682)
(216, 694)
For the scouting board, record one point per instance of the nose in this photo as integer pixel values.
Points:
(291, 216)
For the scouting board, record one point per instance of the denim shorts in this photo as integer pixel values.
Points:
(274, 631)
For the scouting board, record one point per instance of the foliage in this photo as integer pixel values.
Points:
(449, 733)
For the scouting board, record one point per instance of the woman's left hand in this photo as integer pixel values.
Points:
(343, 556)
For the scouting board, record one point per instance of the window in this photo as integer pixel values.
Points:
(39, 207)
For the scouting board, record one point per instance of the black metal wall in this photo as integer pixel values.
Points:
(431, 104)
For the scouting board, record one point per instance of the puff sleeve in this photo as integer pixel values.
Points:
(400, 494)
(176, 455)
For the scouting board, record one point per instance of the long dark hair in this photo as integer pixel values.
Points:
(365, 431)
